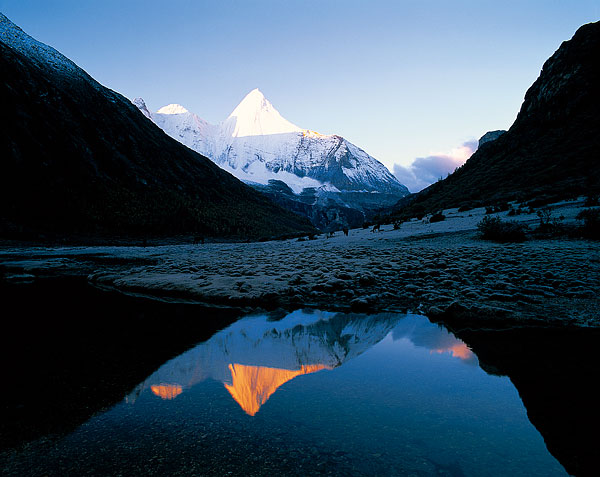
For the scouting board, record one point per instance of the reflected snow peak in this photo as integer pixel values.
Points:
(256, 355)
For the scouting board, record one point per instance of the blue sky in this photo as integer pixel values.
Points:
(400, 79)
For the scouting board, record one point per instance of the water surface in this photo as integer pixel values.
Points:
(309, 393)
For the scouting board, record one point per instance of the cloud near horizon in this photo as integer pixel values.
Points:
(424, 171)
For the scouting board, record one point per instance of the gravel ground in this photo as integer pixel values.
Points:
(442, 269)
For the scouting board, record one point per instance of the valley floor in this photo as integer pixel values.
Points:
(440, 269)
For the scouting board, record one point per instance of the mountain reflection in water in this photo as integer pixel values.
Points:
(256, 355)
(310, 393)
(269, 395)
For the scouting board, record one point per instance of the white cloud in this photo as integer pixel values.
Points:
(424, 171)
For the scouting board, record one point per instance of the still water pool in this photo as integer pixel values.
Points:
(309, 393)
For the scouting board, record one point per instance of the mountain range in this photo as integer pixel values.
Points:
(552, 148)
(324, 177)
(78, 158)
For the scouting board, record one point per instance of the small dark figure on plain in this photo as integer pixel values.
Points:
(144, 243)
(330, 234)
(376, 228)
(198, 239)
(345, 230)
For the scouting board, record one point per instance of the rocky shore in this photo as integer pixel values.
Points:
(440, 269)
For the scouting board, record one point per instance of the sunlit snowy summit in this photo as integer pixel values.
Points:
(256, 144)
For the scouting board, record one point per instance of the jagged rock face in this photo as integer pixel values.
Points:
(256, 144)
(78, 157)
(552, 147)
(490, 136)
(568, 84)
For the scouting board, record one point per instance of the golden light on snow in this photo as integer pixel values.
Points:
(310, 133)
(252, 386)
(458, 350)
(166, 391)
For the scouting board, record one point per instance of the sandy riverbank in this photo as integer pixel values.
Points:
(440, 269)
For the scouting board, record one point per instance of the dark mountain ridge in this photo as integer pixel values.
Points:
(552, 148)
(79, 158)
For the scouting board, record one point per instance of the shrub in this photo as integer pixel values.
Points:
(437, 217)
(591, 222)
(547, 222)
(541, 201)
(493, 228)
(502, 207)
(591, 200)
(397, 225)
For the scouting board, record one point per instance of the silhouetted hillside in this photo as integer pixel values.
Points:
(79, 158)
(553, 147)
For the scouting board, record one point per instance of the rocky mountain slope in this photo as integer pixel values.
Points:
(77, 157)
(260, 147)
(551, 149)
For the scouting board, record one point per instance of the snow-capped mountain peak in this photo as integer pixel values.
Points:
(256, 144)
(256, 116)
(172, 109)
(141, 105)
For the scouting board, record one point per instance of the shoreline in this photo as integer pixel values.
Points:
(442, 270)
(452, 277)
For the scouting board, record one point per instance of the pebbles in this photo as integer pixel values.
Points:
(556, 279)
(537, 278)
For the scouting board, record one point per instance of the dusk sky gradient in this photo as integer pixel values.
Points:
(400, 79)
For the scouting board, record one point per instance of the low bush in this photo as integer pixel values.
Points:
(592, 200)
(541, 201)
(437, 217)
(493, 228)
(549, 224)
(591, 222)
(500, 207)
